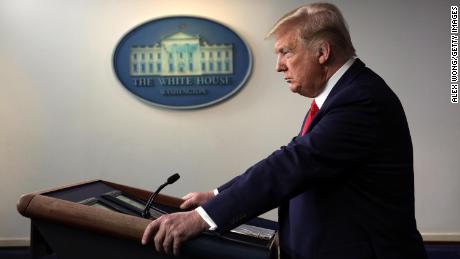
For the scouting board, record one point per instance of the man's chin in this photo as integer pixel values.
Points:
(293, 88)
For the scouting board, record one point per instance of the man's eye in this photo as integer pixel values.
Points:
(287, 53)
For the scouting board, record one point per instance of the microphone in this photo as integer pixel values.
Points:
(173, 178)
(146, 212)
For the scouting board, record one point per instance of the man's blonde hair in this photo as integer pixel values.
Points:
(315, 22)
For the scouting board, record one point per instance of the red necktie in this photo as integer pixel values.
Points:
(313, 111)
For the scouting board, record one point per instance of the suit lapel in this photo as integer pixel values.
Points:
(303, 123)
(349, 75)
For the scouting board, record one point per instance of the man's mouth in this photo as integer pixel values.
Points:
(288, 80)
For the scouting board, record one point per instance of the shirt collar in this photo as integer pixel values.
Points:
(321, 98)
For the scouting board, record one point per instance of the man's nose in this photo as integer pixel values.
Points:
(280, 66)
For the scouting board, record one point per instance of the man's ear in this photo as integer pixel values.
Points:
(324, 52)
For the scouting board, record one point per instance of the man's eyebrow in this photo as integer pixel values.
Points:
(284, 49)
(276, 49)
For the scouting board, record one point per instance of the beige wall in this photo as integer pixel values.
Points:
(65, 117)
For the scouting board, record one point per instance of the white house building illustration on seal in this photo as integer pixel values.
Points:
(181, 54)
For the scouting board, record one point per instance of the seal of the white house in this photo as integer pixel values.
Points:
(182, 62)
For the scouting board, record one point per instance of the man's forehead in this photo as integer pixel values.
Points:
(285, 39)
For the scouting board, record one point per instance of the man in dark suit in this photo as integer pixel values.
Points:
(344, 186)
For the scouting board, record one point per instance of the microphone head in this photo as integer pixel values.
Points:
(173, 178)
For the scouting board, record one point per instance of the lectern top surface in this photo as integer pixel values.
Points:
(81, 192)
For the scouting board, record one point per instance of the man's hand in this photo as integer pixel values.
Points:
(195, 199)
(169, 231)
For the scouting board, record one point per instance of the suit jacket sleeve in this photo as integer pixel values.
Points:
(339, 138)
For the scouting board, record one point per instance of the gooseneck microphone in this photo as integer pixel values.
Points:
(146, 213)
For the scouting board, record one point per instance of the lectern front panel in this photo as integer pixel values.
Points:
(101, 219)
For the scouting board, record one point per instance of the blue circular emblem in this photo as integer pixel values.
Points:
(182, 62)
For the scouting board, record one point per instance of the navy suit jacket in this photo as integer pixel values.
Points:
(345, 189)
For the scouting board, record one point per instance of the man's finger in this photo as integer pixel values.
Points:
(168, 242)
(187, 204)
(176, 246)
(159, 238)
(187, 196)
(190, 200)
(150, 230)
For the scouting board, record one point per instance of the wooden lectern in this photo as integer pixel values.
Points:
(100, 219)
